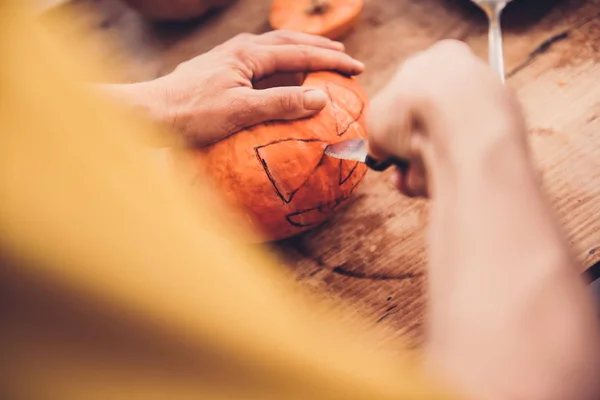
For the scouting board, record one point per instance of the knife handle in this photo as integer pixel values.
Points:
(379, 166)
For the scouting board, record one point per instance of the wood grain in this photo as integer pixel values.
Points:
(372, 255)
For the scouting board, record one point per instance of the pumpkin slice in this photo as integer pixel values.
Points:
(333, 19)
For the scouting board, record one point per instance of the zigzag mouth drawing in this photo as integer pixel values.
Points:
(314, 216)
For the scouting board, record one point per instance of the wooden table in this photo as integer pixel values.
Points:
(372, 256)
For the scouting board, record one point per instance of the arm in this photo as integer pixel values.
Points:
(149, 97)
(115, 285)
(215, 94)
(510, 317)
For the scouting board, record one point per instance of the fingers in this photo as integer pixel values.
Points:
(393, 128)
(280, 103)
(390, 124)
(282, 37)
(288, 51)
(413, 181)
(268, 60)
(415, 109)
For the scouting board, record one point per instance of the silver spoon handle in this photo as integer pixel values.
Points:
(493, 9)
(496, 55)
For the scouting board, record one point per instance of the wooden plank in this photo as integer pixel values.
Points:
(373, 255)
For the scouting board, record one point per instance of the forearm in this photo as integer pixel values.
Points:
(147, 97)
(503, 270)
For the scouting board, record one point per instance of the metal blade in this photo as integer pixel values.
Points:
(351, 149)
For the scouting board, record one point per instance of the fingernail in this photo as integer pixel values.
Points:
(314, 99)
(359, 65)
(339, 45)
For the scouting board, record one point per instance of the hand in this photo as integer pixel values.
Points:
(443, 104)
(212, 96)
(501, 285)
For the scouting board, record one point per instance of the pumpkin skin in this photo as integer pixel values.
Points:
(175, 10)
(277, 174)
(333, 19)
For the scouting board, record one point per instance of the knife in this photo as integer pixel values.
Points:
(592, 276)
(356, 150)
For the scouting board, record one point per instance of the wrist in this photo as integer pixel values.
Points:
(475, 155)
(151, 97)
(148, 97)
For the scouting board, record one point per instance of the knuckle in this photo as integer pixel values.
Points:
(238, 40)
(414, 85)
(454, 54)
(239, 109)
(243, 55)
(239, 52)
(290, 102)
(414, 66)
(279, 35)
(307, 53)
(243, 37)
(452, 46)
(283, 32)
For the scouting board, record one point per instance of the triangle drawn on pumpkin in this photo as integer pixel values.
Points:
(347, 169)
(347, 106)
(306, 218)
(289, 163)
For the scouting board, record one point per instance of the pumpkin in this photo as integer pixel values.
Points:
(330, 18)
(175, 10)
(277, 174)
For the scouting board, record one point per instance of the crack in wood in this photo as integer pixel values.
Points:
(548, 43)
(388, 312)
(382, 318)
(541, 49)
(341, 270)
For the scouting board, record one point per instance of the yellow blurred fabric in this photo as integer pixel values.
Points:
(116, 285)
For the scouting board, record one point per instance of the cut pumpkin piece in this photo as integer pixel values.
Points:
(333, 19)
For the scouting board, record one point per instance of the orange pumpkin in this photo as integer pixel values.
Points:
(330, 18)
(175, 10)
(277, 173)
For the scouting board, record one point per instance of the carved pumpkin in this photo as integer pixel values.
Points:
(175, 10)
(330, 18)
(277, 173)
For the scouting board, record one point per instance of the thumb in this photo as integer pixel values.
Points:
(389, 125)
(282, 103)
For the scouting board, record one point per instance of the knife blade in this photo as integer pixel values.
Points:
(356, 150)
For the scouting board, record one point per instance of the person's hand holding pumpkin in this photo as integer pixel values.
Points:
(502, 285)
(215, 94)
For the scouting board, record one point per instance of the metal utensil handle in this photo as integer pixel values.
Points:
(496, 53)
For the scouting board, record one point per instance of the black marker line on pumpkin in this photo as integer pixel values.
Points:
(335, 202)
(263, 162)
